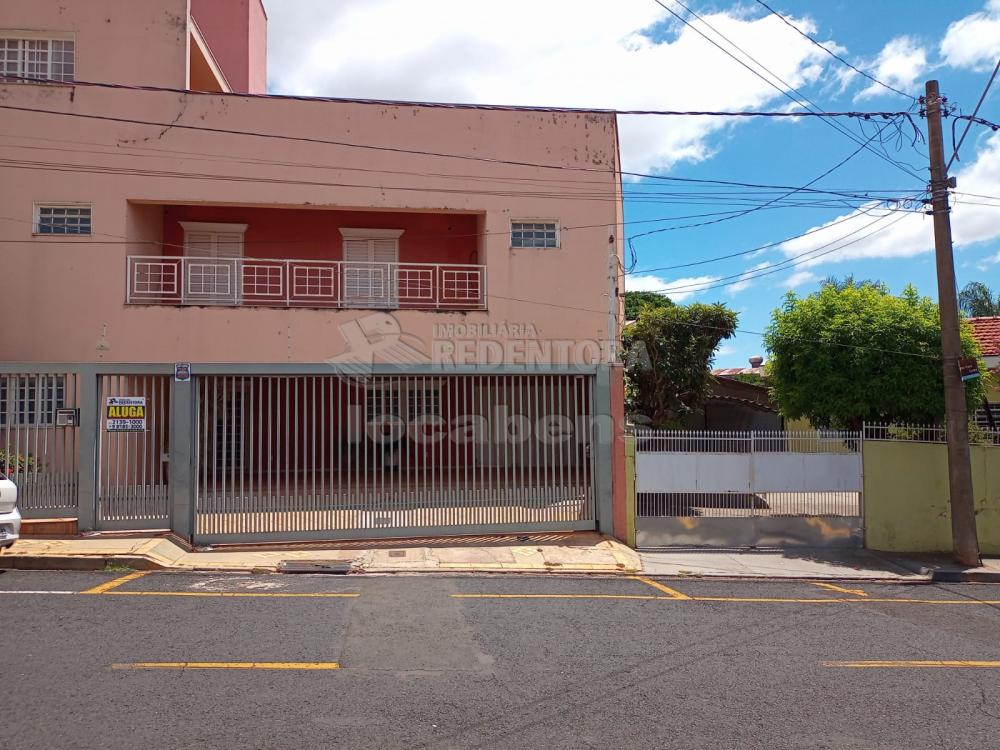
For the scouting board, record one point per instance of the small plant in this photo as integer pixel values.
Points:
(116, 567)
(16, 463)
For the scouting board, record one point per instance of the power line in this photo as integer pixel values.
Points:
(972, 117)
(452, 105)
(784, 91)
(805, 187)
(833, 54)
(849, 217)
(806, 257)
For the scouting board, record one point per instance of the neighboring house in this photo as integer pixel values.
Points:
(736, 404)
(328, 268)
(987, 333)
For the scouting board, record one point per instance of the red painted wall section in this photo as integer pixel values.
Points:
(315, 235)
(619, 511)
(236, 32)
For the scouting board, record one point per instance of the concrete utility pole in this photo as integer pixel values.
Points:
(965, 544)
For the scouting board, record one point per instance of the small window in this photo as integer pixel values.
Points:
(381, 402)
(62, 218)
(37, 57)
(534, 234)
(31, 399)
(424, 402)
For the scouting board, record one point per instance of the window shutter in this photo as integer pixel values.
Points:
(229, 245)
(198, 244)
(357, 251)
(385, 251)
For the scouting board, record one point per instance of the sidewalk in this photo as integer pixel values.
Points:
(540, 553)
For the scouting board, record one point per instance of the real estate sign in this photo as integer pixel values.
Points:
(126, 414)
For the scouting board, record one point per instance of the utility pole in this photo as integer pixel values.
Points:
(965, 544)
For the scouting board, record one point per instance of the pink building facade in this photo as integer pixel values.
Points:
(385, 262)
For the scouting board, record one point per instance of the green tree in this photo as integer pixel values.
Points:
(847, 355)
(849, 281)
(636, 301)
(979, 301)
(668, 353)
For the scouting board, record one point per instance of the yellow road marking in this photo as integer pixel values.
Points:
(672, 593)
(840, 589)
(228, 665)
(875, 664)
(115, 582)
(729, 599)
(555, 596)
(231, 594)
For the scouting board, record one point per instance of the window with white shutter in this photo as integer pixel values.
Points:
(213, 274)
(371, 267)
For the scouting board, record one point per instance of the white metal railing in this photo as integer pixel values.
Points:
(925, 433)
(286, 282)
(747, 441)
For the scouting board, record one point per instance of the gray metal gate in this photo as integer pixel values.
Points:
(748, 489)
(35, 452)
(303, 456)
(132, 465)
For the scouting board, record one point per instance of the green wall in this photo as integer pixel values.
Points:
(906, 496)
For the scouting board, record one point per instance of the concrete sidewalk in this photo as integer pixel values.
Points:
(543, 553)
(791, 563)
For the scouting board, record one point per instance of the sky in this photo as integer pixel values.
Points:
(633, 54)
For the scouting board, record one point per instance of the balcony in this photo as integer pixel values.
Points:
(283, 282)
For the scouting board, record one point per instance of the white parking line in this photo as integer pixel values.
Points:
(39, 592)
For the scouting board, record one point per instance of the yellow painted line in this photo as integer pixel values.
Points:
(115, 582)
(672, 593)
(556, 596)
(840, 589)
(728, 599)
(313, 665)
(230, 594)
(875, 664)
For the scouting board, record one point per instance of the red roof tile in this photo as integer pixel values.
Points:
(987, 333)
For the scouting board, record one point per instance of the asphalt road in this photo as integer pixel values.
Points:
(174, 660)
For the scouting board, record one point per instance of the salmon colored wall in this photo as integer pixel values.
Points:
(315, 235)
(142, 43)
(236, 31)
(68, 294)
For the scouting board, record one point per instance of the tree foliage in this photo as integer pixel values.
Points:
(636, 301)
(836, 357)
(668, 353)
(977, 300)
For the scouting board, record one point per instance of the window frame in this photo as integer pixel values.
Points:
(26, 35)
(556, 226)
(48, 395)
(36, 211)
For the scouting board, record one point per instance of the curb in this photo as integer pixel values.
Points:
(89, 562)
(963, 576)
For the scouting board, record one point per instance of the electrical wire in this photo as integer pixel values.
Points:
(760, 248)
(833, 54)
(972, 117)
(784, 91)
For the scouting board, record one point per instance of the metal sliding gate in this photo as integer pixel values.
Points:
(132, 452)
(37, 453)
(748, 489)
(298, 457)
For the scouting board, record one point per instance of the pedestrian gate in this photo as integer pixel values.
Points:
(748, 489)
(298, 457)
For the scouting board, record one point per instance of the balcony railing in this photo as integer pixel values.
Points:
(276, 282)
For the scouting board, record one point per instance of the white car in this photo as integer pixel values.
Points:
(10, 519)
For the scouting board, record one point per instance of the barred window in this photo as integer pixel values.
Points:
(381, 402)
(43, 59)
(31, 399)
(424, 402)
(534, 234)
(62, 219)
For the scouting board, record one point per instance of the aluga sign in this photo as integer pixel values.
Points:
(126, 414)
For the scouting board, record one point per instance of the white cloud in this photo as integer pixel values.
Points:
(973, 41)
(725, 350)
(800, 278)
(907, 235)
(745, 281)
(990, 260)
(677, 290)
(589, 53)
(900, 63)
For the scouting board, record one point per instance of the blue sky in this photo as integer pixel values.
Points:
(633, 54)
